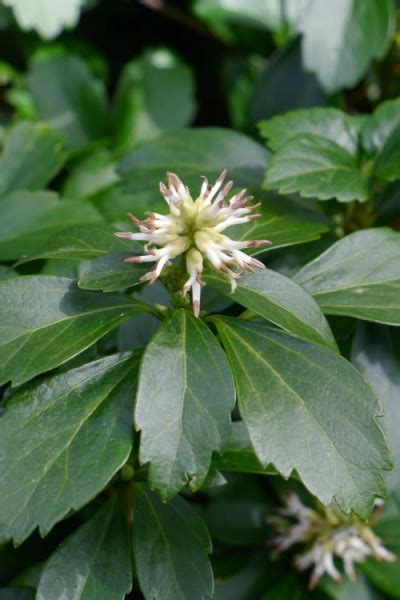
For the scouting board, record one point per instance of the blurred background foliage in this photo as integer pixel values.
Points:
(108, 75)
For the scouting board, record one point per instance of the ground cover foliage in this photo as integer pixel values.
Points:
(148, 444)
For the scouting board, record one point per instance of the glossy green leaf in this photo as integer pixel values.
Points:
(380, 125)
(386, 576)
(93, 563)
(387, 164)
(281, 301)
(359, 276)
(70, 98)
(284, 221)
(27, 219)
(185, 397)
(110, 273)
(376, 353)
(326, 431)
(139, 114)
(83, 242)
(329, 123)
(62, 440)
(45, 321)
(32, 155)
(316, 167)
(192, 153)
(170, 544)
(340, 39)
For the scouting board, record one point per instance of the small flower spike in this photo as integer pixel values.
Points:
(194, 228)
(326, 534)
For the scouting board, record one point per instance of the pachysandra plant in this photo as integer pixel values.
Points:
(194, 229)
(207, 405)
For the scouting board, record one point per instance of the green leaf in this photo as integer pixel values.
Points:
(32, 156)
(45, 321)
(359, 276)
(316, 167)
(185, 397)
(62, 440)
(326, 432)
(329, 123)
(283, 85)
(238, 454)
(341, 39)
(376, 353)
(91, 175)
(284, 221)
(110, 273)
(83, 242)
(139, 114)
(48, 18)
(93, 563)
(69, 97)
(170, 544)
(27, 219)
(387, 164)
(380, 125)
(386, 576)
(192, 153)
(281, 301)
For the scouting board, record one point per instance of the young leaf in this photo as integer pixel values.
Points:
(93, 563)
(45, 321)
(61, 441)
(329, 123)
(359, 276)
(316, 167)
(185, 397)
(32, 155)
(170, 544)
(281, 301)
(326, 432)
(69, 97)
(110, 273)
(376, 353)
(341, 39)
(28, 218)
(83, 242)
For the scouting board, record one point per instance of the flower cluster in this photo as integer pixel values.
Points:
(326, 534)
(194, 228)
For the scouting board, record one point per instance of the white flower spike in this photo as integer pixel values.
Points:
(326, 534)
(194, 228)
